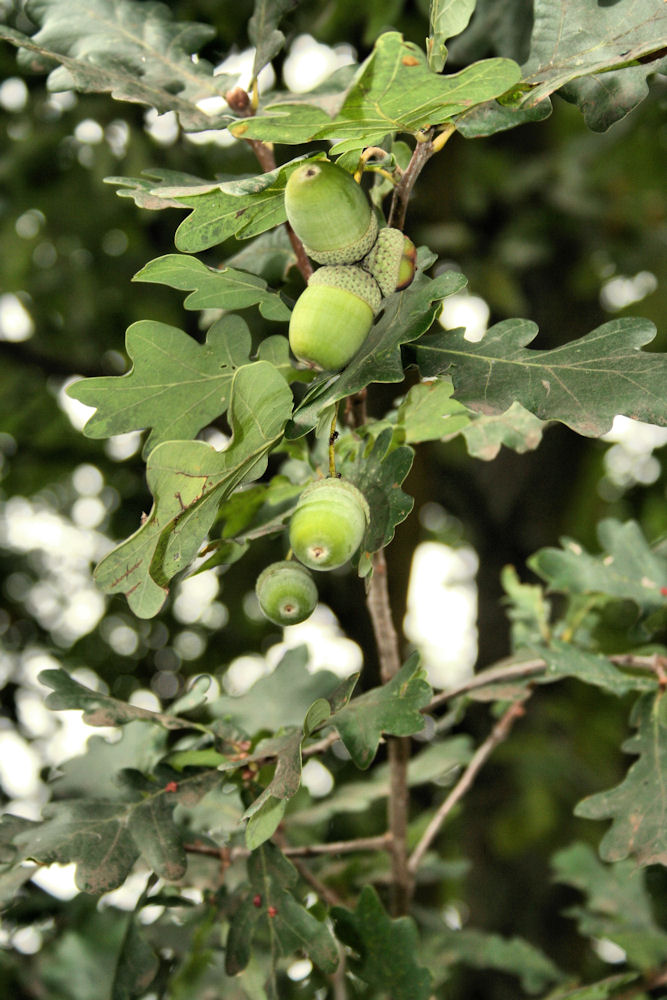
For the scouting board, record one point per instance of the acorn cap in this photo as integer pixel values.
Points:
(330, 213)
(391, 260)
(352, 279)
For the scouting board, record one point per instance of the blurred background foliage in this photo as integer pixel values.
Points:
(548, 221)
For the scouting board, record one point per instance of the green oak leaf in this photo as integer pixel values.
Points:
(104, 838)
(571, 40)
(565, 660)
(637, 806)
(395, 91)
(602, 990)
(189, 480)
(242, 208)
(428, 413)
(583, 384)
(135, 51)
(492, 116)
(447, 18)
(527, 610)
(405, 317)
(393, 708)
(137, 963)
(627, 569)
(271, 905)
(176, 386)
(514, 956)
(605, 98)
(618, 906)
(264, 33)
(102, 709)
(379, 472)
(214, 288)
(517, 428)
(281, 698)
(386, 949)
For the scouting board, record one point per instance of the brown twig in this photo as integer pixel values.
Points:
(512, 670)
(499, 733)
(398, 748)
(227, 855)
(650, 981)
(421, 154)
(330, 897)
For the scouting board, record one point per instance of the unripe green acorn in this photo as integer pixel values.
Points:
(333, 315)
(330, 213)
(286, 593)
(391, 261)
(328, 524)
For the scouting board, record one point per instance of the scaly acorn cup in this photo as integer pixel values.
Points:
(329, 213)
(286, 593)
(329, 523)
(332, 316)
(391, 261)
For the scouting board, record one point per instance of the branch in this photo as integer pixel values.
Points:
(499, 733)
(508, 670)
(421, 154)
(227, 855)
(398, 748)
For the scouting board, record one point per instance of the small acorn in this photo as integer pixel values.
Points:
(328, 524)
(392, 260)
(286, 593)
(330, 213)
(333, 315)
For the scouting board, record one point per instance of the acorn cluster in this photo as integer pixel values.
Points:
(325, 531)
(362, 264)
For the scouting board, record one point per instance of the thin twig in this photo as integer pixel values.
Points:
(421, 154)
(512, 670)
(330, 897)
(229, 854)
(386, 640)
(499, 733)
(650, 981)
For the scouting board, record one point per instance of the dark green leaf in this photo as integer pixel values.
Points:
(572, 40)
(527, 609)
(490, 951)
(282, 698)
(618, 907)
(102, 709)
(137, 963)
(176, 386)
(627, 569)
(392, 708)
(214, 288)
(288, 925)
(584, 384)
(263, 30)
(387, 949)
(601, 990)
(605, 98)
(379, 473)
(637, 806)
(565, 660)
(133, 50)
(516, 428)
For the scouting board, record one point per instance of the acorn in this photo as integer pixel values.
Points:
(333, 315)
(329, 523)
(392, 260)
(286, 593)
(330, 213)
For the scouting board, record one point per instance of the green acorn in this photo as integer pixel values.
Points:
(286, 593)
(329, 523)
(330, 213)
(333, 315)
(391, 261)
